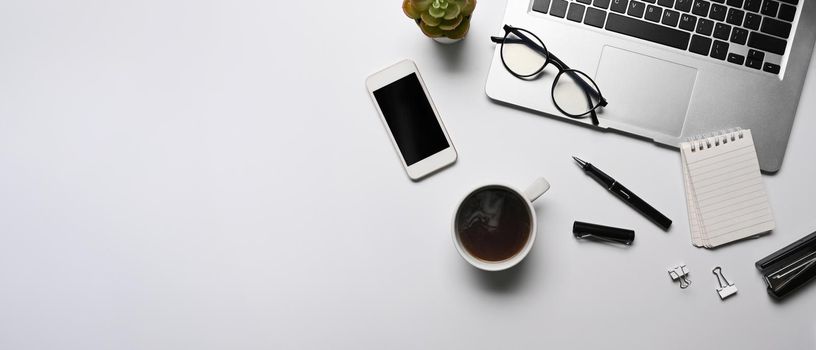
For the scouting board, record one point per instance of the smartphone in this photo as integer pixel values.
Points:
(411, 119)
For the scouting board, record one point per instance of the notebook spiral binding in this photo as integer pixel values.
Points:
(714, 139)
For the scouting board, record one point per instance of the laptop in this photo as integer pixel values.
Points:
(673, 69)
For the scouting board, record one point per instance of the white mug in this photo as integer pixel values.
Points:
(535, 190)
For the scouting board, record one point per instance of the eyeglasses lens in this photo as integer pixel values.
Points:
(575, 93)
(520, 57)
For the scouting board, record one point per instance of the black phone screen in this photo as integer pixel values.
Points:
(411, 119)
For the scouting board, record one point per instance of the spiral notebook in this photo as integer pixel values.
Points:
(725, 193)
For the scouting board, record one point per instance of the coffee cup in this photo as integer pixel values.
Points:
(494, 226)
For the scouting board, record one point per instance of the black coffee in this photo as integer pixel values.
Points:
(493, 223)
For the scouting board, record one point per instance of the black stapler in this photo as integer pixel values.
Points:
(789, 268)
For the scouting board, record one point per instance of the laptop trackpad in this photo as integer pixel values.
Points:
(644, 91)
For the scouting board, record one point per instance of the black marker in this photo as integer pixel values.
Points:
(624, 194)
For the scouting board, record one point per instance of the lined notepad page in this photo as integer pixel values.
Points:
(725, 192)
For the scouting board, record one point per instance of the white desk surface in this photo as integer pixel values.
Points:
(213, 175)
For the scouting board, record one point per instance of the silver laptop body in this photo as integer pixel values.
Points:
(663, 93)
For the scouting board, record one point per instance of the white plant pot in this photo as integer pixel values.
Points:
(446, 40)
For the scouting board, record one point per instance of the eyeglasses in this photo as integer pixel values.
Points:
(524, 55)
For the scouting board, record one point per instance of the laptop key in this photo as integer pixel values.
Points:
(587, 2)
(767, 43)
(705, 27)
(753, 63)
(719, 50)
(701, 8)
(700, 45)
(787, 12)
(718, 12)
(636, 9)
(757, 55)
(734, 3)
(735, 17)
(666, 3)
(595, 17)
(653, 13)
(559, 8)
(792, 2)
(688, 22)
(604, 4)
(541, 6)
(683, 5)
(771, 68)
(736, 59)
(576, 12)
(752, 5)
(619, 6)
(739, 36)
(650, 1)
(670, 18)
(722, 31)
(769, 8)
(776, 27)
(752, 21)
(647, 31)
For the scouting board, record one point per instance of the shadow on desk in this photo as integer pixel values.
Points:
(451, 54)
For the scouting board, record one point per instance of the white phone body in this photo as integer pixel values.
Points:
(422, 153)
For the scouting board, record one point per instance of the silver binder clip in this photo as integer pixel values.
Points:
(727, 289)
(679, 272)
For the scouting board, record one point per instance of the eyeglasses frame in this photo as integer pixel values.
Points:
(558, 63)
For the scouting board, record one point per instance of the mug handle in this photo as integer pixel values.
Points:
(536, 189)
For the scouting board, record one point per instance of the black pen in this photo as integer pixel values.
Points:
(624, 194)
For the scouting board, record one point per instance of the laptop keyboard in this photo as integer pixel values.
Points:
(750, 33)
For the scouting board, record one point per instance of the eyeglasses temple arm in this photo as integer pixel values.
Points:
(594, 117)
(523, 39)
(553, 57)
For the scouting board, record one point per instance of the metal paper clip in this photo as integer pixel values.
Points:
(726, 290)
(679, 272)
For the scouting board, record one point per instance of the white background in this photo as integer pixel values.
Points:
(212, 175)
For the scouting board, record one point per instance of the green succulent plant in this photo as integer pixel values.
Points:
(441, 18)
